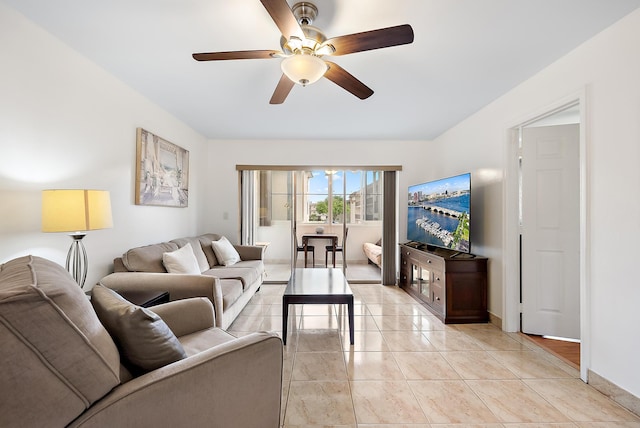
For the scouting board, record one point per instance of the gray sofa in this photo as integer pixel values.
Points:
(228, 287)
(65, 364)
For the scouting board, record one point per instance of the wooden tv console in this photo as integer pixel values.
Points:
(453, 286)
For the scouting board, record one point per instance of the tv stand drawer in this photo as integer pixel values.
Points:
(424, 258)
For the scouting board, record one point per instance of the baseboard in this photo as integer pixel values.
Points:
(495, 320)
(613, 391)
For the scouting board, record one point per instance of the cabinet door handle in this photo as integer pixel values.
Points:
(437, 298)
(428, 261)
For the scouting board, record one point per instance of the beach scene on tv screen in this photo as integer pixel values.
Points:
(438, 213)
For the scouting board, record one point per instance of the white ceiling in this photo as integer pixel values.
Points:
(466, 53)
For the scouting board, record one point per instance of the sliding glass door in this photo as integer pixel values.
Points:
(290, 203)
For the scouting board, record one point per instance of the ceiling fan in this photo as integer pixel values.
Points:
(304, 46)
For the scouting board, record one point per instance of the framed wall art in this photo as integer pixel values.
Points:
(162, 171)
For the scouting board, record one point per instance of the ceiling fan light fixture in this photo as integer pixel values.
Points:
(325, 49)
(312, 40)
(294, 43)
(304, 47)
(303, 69)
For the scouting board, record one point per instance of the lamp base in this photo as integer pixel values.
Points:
(77, 261)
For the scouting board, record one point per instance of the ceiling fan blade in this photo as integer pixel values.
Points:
(283, 17)
(374, 39)
(282, 90)
(344, 79)
(221, 56)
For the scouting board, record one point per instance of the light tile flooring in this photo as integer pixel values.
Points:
(355, 272)
(407, 369)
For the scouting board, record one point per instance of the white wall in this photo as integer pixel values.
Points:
(608, 67)
(66, 123)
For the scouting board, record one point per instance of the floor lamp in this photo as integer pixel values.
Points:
(76, 211)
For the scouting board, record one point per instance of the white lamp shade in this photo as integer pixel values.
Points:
(303, 69)
(75, 210)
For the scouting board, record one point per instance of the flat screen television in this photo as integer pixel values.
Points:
(439, 212)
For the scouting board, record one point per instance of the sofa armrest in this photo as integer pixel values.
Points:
(179, 286)
(237, 383)
(186, 316)
(250, 252)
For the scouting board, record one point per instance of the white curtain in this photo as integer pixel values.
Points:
(248, 205)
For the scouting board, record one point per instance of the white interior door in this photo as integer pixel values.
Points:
(551, 231)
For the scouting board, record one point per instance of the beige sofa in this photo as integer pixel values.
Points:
(373, 252)
(62, 367)
(228, 287)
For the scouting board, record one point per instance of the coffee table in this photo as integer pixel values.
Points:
(317, 286)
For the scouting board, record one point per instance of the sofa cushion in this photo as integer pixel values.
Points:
(225, 253)
(147, 258)
(196, 246)
(194, 343)
(145, 340)
(181, 260)
(231, 291)
(57, 358)
(246, 276)
(256, 265)
(207, 248)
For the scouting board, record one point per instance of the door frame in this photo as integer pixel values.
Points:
(511, 236)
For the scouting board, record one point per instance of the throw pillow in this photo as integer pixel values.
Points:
(147, 258)
(145, 340)
(225, 253)
(182, 260)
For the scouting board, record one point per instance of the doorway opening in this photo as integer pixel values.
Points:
(545, 265)
(566, 350)
(333, 210)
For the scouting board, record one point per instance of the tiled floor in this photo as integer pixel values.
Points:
(355, 273)
(407, 369)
